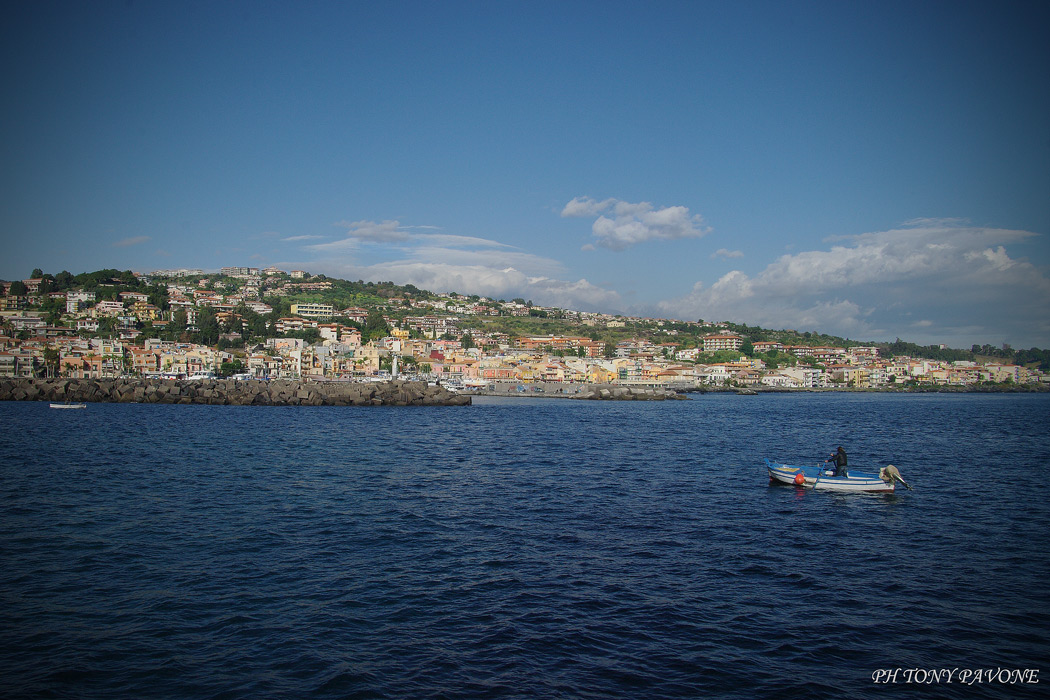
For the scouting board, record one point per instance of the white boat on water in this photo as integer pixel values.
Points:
(68, 405)
(819, 478)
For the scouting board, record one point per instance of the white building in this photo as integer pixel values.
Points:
(808, 377)
(722, 341)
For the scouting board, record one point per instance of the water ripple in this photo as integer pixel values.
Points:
(518, 549)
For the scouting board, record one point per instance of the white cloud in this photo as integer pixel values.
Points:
(452, 241)
(725, 253)
(445, 262)
(498, 283)
(384, 231)
(585, 206)
(343, 246)
(295, 239)
(124, 243)
(623, 224)
(874, 284)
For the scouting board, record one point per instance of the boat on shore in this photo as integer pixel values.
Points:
(820, 478)
(68, 405)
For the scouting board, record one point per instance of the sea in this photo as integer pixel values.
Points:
(525, 548)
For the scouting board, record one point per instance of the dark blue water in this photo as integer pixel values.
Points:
(520, 549)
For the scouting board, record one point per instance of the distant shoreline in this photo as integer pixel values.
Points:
(569, 391)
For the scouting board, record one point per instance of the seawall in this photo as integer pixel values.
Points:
(231, 392)
(560, 390)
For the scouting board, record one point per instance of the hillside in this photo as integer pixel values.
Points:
(390, 303)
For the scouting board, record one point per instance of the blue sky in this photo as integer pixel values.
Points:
(873, 170)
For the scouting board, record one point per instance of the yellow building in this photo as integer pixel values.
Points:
(323, 311)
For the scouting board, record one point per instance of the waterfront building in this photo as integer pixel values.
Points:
(805, 376)
(16, 364)
(1008, 373)
(780, 381)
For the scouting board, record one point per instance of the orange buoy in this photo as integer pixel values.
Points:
(800, 479)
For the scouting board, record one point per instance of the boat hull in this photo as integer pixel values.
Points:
(69, 405)
(816, 478)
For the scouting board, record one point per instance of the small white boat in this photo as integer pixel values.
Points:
(68, 405)
(817, 477)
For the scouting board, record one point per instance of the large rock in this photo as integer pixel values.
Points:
(626, 393)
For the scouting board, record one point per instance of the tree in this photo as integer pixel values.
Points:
(467, 341)
(18, 289)
(158, 296)
(256, 327)
(231, 367)
(375, 326)
(309, 335)
(37, 273)
(107, 325)
(177, 324)
(51, 357)
(64, 280)
(209, 326)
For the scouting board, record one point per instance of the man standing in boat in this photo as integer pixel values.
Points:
(839, 458)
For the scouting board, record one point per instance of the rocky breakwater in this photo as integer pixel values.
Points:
(231, 392)
(612, 392)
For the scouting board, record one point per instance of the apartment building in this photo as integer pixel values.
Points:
(109, 308)
(765, 346)
(321, 311)
(722, 341)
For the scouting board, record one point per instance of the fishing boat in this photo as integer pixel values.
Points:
(68, 405)
(824, 479)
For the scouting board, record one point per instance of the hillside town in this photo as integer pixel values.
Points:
(188, 324)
